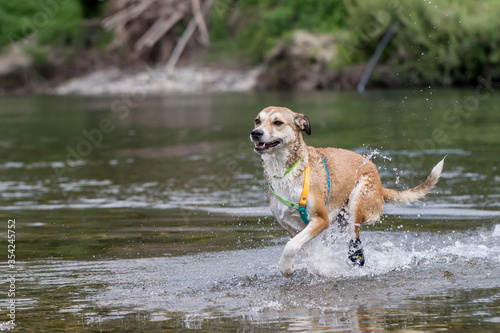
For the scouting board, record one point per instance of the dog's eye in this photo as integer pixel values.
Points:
(278, 123)
(257, 121)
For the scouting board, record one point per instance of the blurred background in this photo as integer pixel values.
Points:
(139, 204)
(299, 45)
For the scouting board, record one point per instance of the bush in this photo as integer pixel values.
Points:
(257, 25)
(443, 42)
(54, 22)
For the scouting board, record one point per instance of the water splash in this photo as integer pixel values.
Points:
(373, 153)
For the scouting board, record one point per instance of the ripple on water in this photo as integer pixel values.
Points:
(246, 283)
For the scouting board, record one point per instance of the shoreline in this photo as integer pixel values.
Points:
(155, 80)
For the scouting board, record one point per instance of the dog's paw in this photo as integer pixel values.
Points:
(286, 268)
(356, 255)
(287, 272)
(357, 258)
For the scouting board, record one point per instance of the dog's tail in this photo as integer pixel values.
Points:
(416, 193)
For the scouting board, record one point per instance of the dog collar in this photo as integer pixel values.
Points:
(301, 205)
(290, 169)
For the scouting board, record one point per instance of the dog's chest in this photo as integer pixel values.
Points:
(288, 189)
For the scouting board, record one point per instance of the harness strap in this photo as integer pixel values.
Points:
(304, 195)
(301, 205)
(327, 180)
(288, 203)
(305, 191)
(287, 171)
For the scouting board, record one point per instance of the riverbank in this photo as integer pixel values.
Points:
(299, 46)
(158, 80)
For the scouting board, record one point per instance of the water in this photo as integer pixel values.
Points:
(151, 215)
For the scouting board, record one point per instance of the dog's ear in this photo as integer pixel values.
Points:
(303, 123)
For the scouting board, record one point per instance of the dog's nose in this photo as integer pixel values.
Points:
(256, 134)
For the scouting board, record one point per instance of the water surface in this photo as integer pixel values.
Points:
(151, 214)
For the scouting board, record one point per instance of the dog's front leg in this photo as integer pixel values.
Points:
(317, 224)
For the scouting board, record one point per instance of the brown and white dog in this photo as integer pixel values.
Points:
(356, 195)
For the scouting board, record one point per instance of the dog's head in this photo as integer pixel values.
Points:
(277, 127)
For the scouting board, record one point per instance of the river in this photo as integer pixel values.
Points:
(135, 213)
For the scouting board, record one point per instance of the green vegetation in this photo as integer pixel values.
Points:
(440, 42)
(445, 42)
(53, 22)
(52, 40)
(252, 27)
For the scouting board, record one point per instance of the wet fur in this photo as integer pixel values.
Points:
(356, 196)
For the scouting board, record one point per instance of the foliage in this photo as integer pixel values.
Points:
(445, 42)
(439, 42)
(54, 22)
(254, 26)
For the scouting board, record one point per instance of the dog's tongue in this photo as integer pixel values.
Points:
(260, 144)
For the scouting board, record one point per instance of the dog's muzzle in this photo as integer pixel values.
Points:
(260, 146)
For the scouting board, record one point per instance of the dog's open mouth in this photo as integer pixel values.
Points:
(263, 146)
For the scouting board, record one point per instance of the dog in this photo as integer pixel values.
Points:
(331, 184)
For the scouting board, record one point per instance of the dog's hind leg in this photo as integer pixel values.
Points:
(366, 204)
(354, 220)
(355, 216)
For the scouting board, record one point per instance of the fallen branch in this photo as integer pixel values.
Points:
(200, 22)
(146, 27)
(157, 30)
(186, 36)
(376, 55)
(127, 14)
